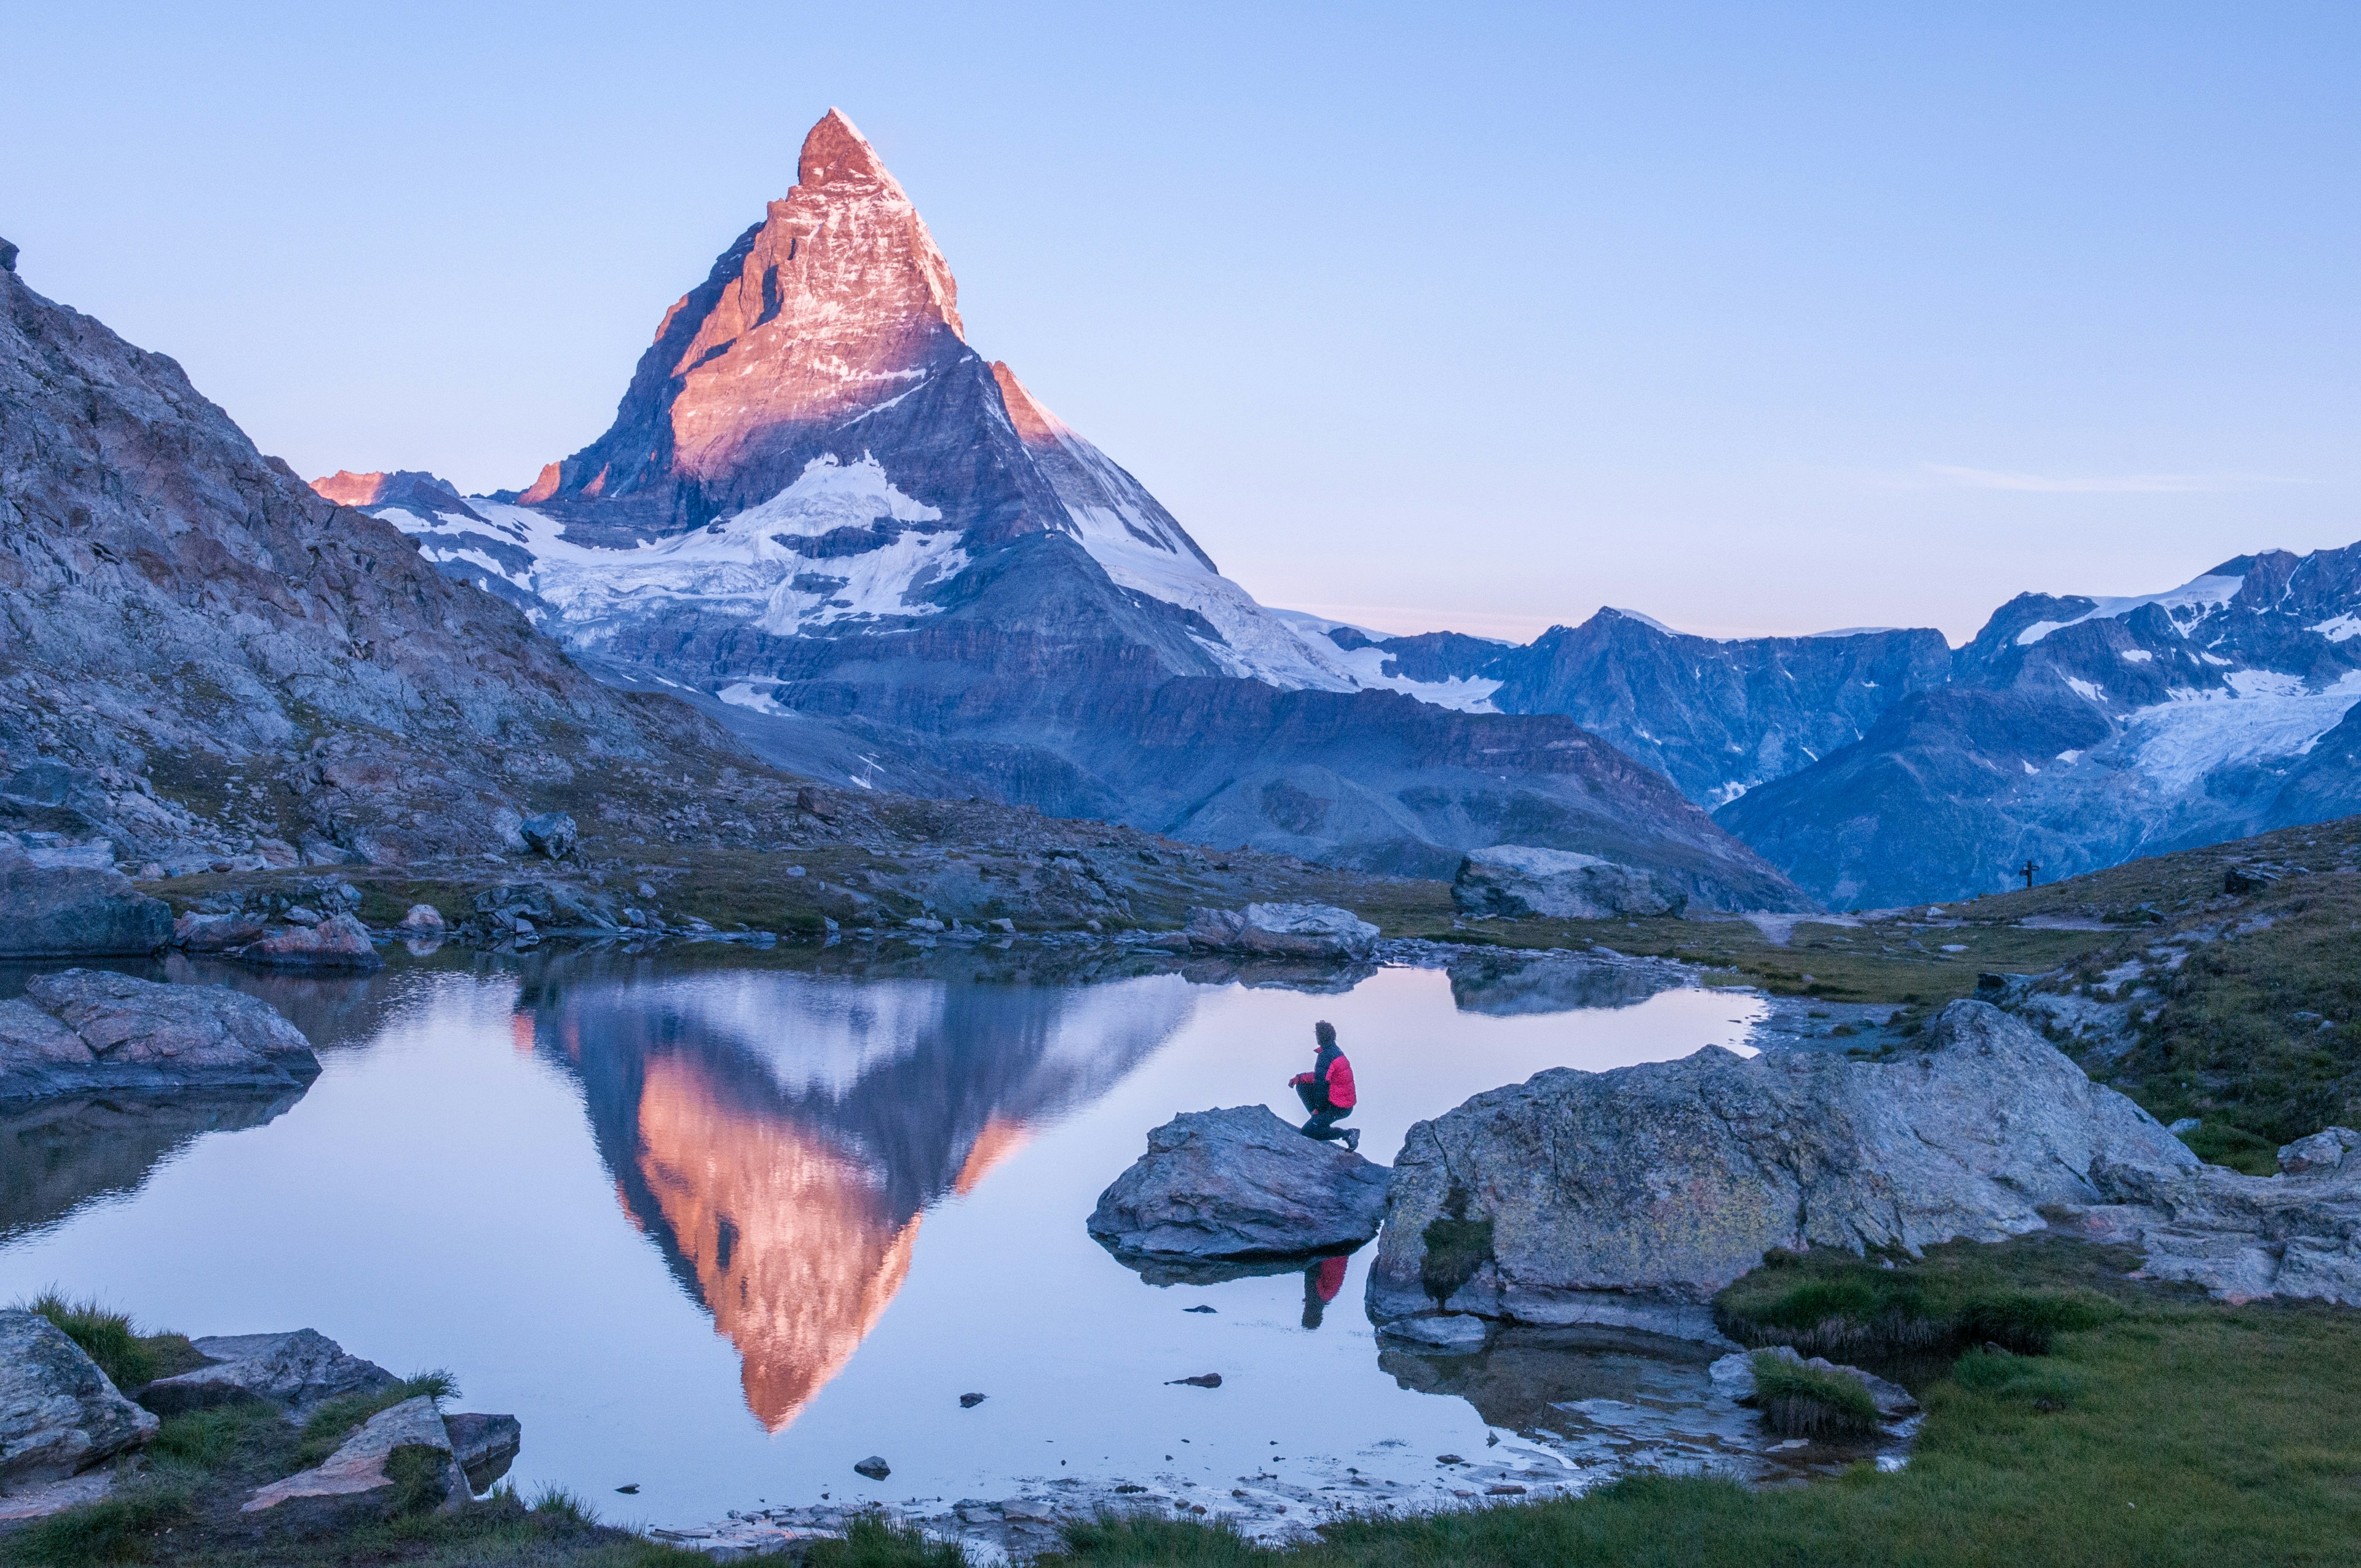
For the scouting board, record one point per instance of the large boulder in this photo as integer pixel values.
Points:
(59, 1413)
(1282, 931)
(1239, 1183)
(1630, 1197)
(552, 834)
(294, 1371)
(1521, 880)
(2296, 1233)
(82, 1030)
(74, 911)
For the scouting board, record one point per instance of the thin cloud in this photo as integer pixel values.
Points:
(2097, 484)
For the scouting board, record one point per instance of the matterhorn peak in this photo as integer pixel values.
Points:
(837, 303)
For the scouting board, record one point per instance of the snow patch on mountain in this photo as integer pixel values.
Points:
(2185, 605)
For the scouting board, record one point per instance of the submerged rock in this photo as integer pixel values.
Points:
(294, 1371)
(1282, 930)
(1630, 1197)
(83, 1030)
(1239, 1183)
(1521, 880)
(59, 1413)
(360, 1465)
(74, 911)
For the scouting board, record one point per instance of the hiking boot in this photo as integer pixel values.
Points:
(1353, 1139)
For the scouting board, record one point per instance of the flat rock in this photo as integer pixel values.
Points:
(59, 1413)
(1282, 930)
(1239, 1183)
(74, 911)
(1521, 880)
(295, 1370)
(359, 1465)
(82, 1030)
(1630, 1198)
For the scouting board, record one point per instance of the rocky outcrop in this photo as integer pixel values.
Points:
(1630, 1197)
(361, 1464)
(1282, 931)
(2296, 1235)
(1521, 880)
(294, 1371)
(74, 911)
(333, 942)
(81, 1030)
(59, 1413)
(1239, 1183)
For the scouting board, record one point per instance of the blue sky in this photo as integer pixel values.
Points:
(1752, 318)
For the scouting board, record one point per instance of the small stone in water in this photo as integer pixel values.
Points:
(875, 1468)
(969, 1401)
(1202, 1380)
(1449, 1459)
(629, 1490)
(1200, 1308)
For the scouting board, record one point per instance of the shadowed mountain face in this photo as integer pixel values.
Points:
(826, 520)
(781, 1136)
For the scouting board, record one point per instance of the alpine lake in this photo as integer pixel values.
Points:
(717, 1224)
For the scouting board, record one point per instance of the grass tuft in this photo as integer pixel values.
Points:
(129, 1358)
(111, 1531)
(871, 1541)
(1809, 1401)
(563, 1506)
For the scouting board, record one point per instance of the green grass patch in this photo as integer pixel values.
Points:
(115, 1530)
(1798, 1401)
(871, 1541)
(1882, 1310)
(2217, 1142)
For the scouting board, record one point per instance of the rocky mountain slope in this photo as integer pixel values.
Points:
(824, 520)
(214, 672)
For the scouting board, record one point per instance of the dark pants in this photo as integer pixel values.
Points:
(1323, 1126)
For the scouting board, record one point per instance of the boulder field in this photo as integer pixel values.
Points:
(1630, 1198)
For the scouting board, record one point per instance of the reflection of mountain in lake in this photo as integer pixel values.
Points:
(780, 1135)
(57, 1154)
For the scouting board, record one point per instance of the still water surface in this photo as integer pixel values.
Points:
(719, 1229)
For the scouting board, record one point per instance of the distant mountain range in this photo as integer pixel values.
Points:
(823, 518)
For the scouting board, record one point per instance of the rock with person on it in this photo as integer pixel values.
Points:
(1239, 1182)
(82, 1030)
(1630, 1198)
(1519, 880)
(1282, 931)
(296, 1371)
(59, 1414)
(75, 911)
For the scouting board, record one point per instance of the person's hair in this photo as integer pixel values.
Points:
(1325, 1032)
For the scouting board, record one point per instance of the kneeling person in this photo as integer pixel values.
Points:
(1327, 1091)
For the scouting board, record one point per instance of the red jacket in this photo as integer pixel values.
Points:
(1331, 1068)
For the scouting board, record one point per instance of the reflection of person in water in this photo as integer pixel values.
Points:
(1327, 1091)
(1321, 1283)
